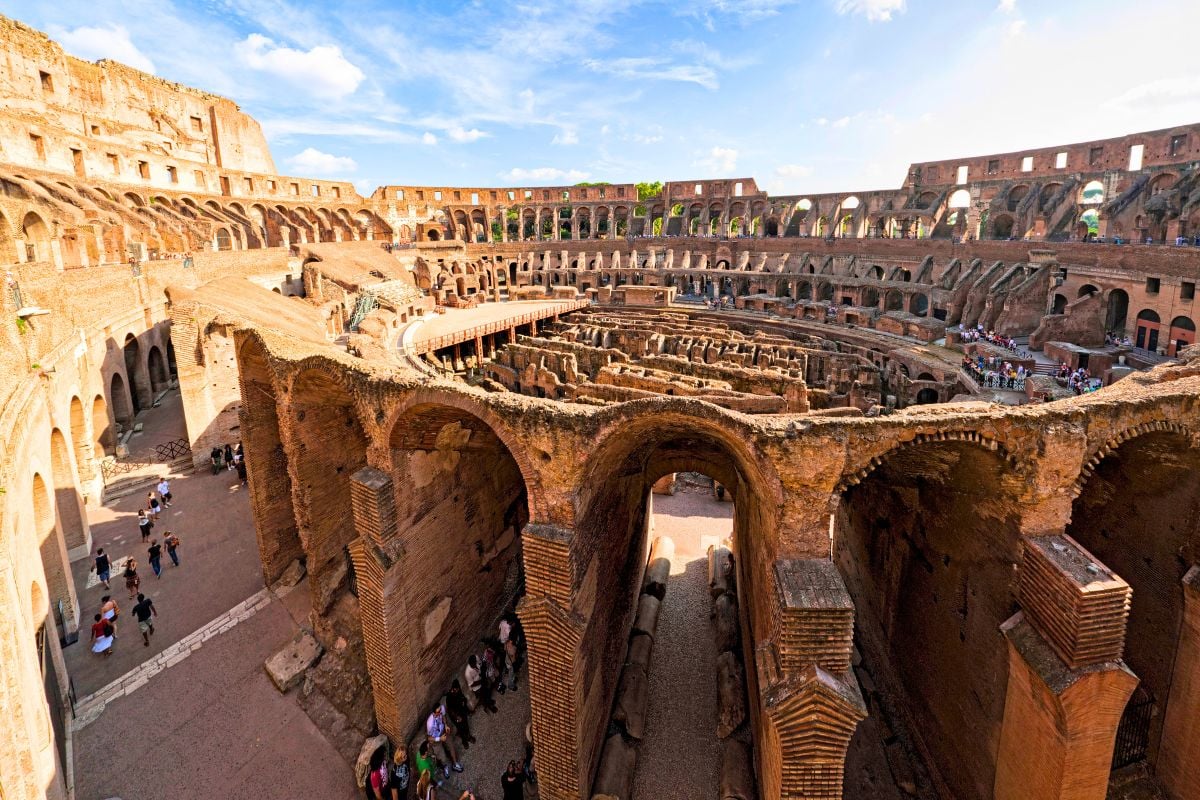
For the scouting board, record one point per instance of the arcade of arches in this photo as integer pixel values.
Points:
(957, 574)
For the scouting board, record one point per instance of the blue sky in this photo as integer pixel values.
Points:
(824, 95)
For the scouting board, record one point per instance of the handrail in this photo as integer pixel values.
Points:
(484, 329)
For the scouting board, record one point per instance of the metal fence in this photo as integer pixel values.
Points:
(1133, 732)
(111, 468)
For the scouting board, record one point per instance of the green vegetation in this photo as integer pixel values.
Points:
(647, 190)
(586, 184)
(657, 226)
(497, 232)
(511, 213)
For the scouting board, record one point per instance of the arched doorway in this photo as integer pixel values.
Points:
(918, 304)
(1148, 325)
(1183, 333)
(614, 503)
(138, 392)
(103, 436)
(926, 396)
(461, 505)
(67, 500)
(1119, 518)
(1118, 310)
(53, 550)
(122, 407)
(927, 544)
(37, 238)
(159, 380)
(1060, 304)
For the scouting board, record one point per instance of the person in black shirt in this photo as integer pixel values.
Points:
(512, 782)
(144, 612)
(103, 567)
(155, 553)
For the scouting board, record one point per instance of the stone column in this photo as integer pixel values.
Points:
(811, 700)
(1179, 750)
(1067, 685)
(387, 629)
(556, 680)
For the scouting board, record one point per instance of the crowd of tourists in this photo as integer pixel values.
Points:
(1078, 380)
(978, 334)
(104, 628)
(995, 372)
(491, 671)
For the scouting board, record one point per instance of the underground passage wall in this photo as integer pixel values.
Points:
(927, 544)
(460, 508)
(1137, 513)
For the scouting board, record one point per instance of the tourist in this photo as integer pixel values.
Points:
(164, 491)
(377, 778)
(109, 609)
(510, 661)
(144, 612)
(214, 457)
(132, 581)
(102, 636)
(145, 524)
(512, 782)
(240, 466)
(228, 457)
(172, 543)
(153, 506)
(459, 713)
(427, 763)
(439, 734)
(155, 557)
(426, 790)
(103, 567)
(478, 685)
(401, 774)
(493, 678)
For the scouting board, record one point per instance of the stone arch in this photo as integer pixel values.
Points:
(67, 501)
(36, 233)
(460, 505)
(53, 550)
(928, 542)
(1110, 444)
(139, 391)
(103, 436)
(1118, 516)
(157, 367)
(854, 474)
(119, 400)
(636, 445)
(82, 440)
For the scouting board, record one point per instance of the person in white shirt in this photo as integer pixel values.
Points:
(164, 491)
(438, 730)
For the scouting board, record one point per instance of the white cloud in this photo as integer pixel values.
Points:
(459, 134)
(822, 121)
(428, 138)
(95, 43)
(873, 10)
(841, 122)
(793, 171)
(718, 161)
(565, 136)
(322, 71)
(549, 174)
(1007, 6)
(647, 68)
(1016, 27)
(1158, 94)
(312, 162)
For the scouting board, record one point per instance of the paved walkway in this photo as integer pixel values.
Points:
(681, 754)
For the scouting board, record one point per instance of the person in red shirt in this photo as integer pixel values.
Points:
(102, 636)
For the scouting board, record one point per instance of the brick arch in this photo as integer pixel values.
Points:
(539, 507)
(1098, 454)
(854, 474)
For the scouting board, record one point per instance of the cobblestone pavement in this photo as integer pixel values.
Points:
(681, 754)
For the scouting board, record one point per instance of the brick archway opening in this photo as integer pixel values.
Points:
(927, 544)
(1137, 513)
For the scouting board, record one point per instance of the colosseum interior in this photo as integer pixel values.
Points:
(963, 579)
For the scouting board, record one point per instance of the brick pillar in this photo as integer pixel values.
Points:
(386, 626)
(556, 682)
(1067, 686)
(812, 702)
(1179, 751)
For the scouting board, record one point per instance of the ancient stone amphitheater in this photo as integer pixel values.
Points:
(452, 398)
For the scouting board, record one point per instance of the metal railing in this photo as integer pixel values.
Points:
(111, 467)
